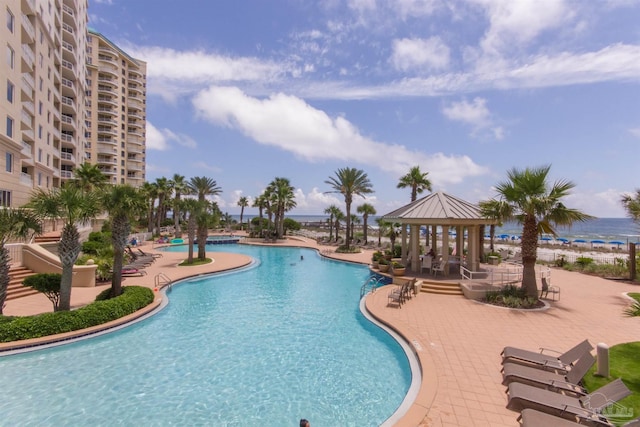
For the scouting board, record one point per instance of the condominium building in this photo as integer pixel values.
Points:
(116, 100)
(53, 114)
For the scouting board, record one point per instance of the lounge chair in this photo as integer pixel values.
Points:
(587, 408)
(532, 418)
(561, 362)
(148, 254)
(513, 372)
(132, 271)
(396, 296)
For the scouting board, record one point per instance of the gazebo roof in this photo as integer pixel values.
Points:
(438, 208)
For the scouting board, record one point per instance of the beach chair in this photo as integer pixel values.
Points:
(148, 254)
(131, 271)
(396, 296)
(546, 288)
(587, 408)
(559, 361)
(513, 372)
(532, 418)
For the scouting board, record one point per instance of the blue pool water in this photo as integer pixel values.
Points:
(262, 347)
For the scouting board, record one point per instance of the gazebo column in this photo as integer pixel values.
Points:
(434, 238)
(445, 248)
(460, 241)
(414, 239)
(473, 257)
(403, 249)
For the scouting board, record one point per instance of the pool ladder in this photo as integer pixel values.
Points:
(162, 280)
(371, 284)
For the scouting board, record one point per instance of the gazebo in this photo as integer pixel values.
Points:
(445, 211)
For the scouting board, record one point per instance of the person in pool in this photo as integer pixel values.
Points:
(304, 423)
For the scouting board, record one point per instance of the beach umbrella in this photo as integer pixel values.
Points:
(546, 238)
(562, 239)
(598, 241)
(579, 241)
(616, 242)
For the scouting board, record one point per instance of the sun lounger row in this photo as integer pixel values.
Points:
(546, 388)
(137, 262)
(402, 293)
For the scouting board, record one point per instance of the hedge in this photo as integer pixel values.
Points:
(133, 298)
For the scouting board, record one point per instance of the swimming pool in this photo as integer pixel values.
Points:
(266, 346)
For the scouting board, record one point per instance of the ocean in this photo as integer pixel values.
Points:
(607, 229)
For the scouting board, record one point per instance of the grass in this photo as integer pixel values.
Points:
(634, 295)
(195, 262)
(623, 363)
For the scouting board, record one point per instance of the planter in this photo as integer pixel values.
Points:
(399, 271)
(374, 264)
(383, 267)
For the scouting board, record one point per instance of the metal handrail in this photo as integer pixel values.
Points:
(162, 280)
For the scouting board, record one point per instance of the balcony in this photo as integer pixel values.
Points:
(67, 138)
(28, 85)
(28, 58)
(68, 86)
(67, 46)
(107, 140)
(30, 4)
(134, 150)
(106, 50)
(107, 160)
(108, 171)
(107, 80)
(25, 179)
(68, 28)
(66, 156)
(107, 130)
(108, 89)
(108, 59)
(107, 110)
(107, 69)
(28, 32)
(134, 168)
(66, 174)
(28, 134)
(69, 11)
(135, 105)
(66, 118)
(27, 119)
(106, 149)
(132, 132)
(27, 149)
(107, 100)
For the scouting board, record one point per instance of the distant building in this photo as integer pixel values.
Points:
(62, 83)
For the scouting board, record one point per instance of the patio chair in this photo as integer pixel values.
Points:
(513, 372)
(396, 296)
(439, 268)
(587, 408)
(131, 271)
(148, 254)
(546, 288)
(561, 362)
(532, 418)
(427, 262)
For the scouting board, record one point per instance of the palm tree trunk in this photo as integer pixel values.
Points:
(191, 231)
(119, 233)
(529, 255)
(202, 242)
(68, 248)
(4, 274)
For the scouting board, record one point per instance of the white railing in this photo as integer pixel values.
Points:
(15, 252)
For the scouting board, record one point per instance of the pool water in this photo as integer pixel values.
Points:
(262, 347)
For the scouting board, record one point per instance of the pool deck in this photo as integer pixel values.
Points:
(457, 341)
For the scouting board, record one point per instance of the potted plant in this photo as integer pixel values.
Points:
(375, 258)
(383, 265)
(398, 268)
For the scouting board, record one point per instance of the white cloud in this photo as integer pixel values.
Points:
(635, 132)
(155, 139)
(474, 113)
(202, 165)
(182, 139)
(316, 200)
(517, 23)
(604, 204)
(429, 54)
(288, 123)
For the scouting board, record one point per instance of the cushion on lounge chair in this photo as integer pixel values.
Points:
(533, 418)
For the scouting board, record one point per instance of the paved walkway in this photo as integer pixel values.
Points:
(458, 341)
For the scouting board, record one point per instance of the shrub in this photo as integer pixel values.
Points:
(48, 284)
(132, 299)
(633, 310)
(511, 296)
(561, 261)
(584, 261)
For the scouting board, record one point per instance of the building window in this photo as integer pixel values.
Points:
(40, 108)
(40, 131)
(40, 155)
(9, 166)
(9, 127)
(10, 20)
(11, 57)
(5, 198)
(39, 178)
(47, 182)
(10, 88)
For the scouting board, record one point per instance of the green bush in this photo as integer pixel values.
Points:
(584, 261)
(511, 296)
(48, 284)
(132, 299)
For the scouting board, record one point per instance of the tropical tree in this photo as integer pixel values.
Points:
(281, 196)
(194, 210)
(89, 177)
(333, 211)
(538, 206)
(365, 210)
(15, 224)
(243, 202)
(73, 206)
(260, 203)
(179, 186)
(338, 218)
(349, 182)
(163, 188)
(416, 180)
(497, 210)
(631, 204)
(383, 229)
(123, 203)
(150, 191)
(202, 186)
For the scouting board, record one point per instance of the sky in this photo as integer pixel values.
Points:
(244, 91)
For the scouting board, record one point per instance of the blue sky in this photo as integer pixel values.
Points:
(245, 91)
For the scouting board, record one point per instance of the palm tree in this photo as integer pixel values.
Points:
(333, 211)
(14, 224)
(89, 177)
(497, 210)
(338, 217)
(365, 209)
(538, 207)
(243, 202)
(203, 186)
(163, 189)
(349, 182)
(416, 180)
(383, 229)
(150, 190)
(179, 185)
(282, 199)
(123, 203)
(193, 209)
(73, 206)
(631, 204)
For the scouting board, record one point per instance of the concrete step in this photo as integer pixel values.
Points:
(16, 289)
